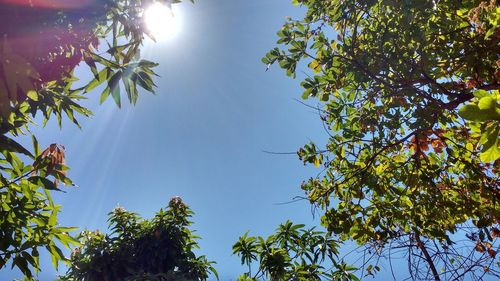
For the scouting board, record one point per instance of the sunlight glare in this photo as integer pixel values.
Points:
(161, 21)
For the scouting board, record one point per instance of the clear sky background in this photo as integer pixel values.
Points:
(201, 137)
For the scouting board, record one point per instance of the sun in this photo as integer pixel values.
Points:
(161, 22)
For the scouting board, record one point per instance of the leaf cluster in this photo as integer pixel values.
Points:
(28, 215)
(138, 249)
(402, 157)
(41, 44)
(293, 252)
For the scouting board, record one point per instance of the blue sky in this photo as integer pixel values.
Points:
(201, 137)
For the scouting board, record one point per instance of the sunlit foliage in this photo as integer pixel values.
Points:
(410, 102)
(41, 43)
(137, 249)
(292, 253)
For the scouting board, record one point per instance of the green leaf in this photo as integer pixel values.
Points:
(98, 80)
(22, 264)
(315, 66)
(475, 113)
(11, 145)
(490, 32)
(491, 149)
(43, 182)
(55, 255)
(487, 103)
(104, 95)
(33, 95)
(67, 240)
(91, 63)
(36, 146)
(53, 218)
(481, 93)
(115, 87)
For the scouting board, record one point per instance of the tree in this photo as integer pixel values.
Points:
(137, 249)
(292, 253)
(410, 102)
(41, 44)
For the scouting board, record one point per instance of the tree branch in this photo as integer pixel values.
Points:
(428, 258)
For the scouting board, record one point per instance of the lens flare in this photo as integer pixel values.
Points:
(161, 22)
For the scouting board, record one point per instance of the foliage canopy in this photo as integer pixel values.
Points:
(41, 43)
(292, 253)
(136, 249)
(412, 111)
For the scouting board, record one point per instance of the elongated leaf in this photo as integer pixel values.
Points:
(98, 80)
(104, 95)
(115, 87)
(43, 182)
(11, 145)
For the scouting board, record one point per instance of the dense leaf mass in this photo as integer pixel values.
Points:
(292, 253)
(156, 249)
(392, 75)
